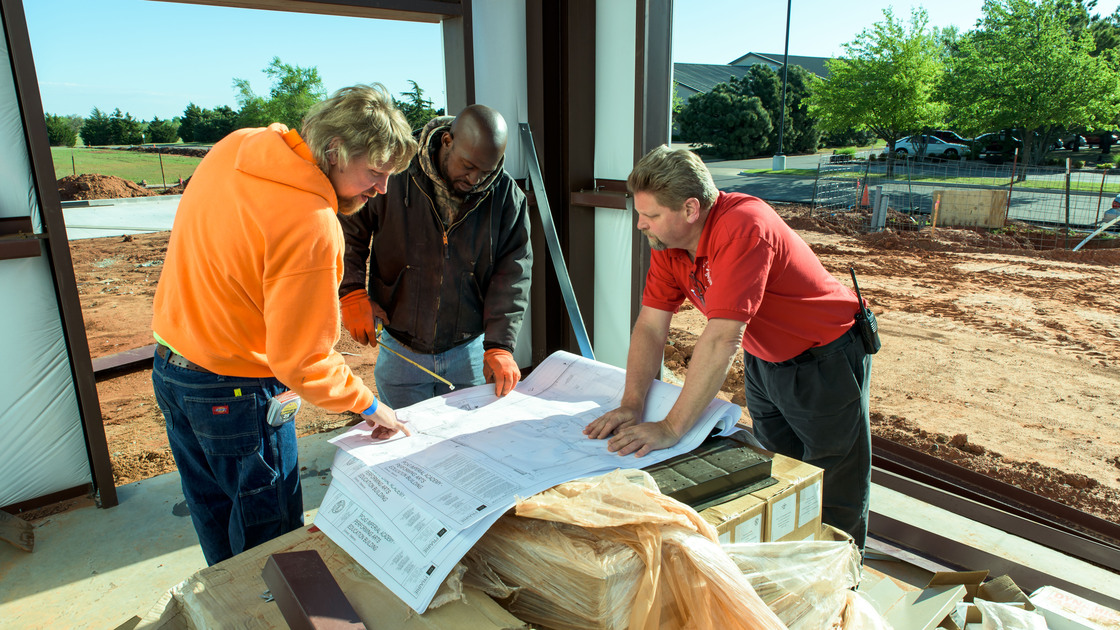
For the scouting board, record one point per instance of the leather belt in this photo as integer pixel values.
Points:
(179, 360)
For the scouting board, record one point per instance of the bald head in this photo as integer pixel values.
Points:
(474, 147)
(482, 127)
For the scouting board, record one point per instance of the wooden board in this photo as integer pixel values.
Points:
(971, 207)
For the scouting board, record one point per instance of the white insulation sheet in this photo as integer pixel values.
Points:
(43, 446)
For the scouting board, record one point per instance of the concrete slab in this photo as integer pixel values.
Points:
(114, 217)
(95, 568)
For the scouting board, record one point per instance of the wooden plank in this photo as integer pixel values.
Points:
(129, 360)
(17, 531)
(971, 207)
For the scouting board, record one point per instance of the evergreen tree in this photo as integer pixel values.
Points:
(59, 131)
(162, 131)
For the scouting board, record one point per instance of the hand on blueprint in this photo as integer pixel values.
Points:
(385, 423)
(615, 419)
(642, 438)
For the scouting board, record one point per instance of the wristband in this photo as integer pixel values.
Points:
(372, 408)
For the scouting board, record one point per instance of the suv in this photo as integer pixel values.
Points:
(934, 147)
(1094, 139)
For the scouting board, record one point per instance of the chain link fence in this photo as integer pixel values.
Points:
(1036, 207)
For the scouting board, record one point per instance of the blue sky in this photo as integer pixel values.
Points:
(153, 58)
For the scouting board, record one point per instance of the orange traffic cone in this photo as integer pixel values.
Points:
(864, 203)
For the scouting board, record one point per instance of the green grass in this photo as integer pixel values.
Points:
(131, 165)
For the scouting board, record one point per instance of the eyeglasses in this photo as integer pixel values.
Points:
(698, 287)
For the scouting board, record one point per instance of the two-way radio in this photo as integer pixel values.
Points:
(865, 319)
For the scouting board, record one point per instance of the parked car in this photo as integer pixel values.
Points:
(951, 137)
(1075, 141)
(934, 147)
(1113, 212)
(1093, 139)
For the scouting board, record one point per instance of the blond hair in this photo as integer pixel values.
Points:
(366, 124)
(673, 177)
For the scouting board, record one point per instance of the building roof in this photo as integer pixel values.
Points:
(702, 77)
(816, 65)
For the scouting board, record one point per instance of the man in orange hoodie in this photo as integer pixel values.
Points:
(247, 308)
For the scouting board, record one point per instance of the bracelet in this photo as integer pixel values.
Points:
(372, 408)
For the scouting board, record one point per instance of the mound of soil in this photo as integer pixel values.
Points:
(87, 186)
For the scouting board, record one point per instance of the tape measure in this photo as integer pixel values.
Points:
(282, 408)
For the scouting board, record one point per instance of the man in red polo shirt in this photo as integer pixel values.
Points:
(761, 288)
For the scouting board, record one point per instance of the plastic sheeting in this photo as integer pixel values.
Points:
(43, 448)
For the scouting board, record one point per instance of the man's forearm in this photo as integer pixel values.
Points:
(707, 371)
(643, 365)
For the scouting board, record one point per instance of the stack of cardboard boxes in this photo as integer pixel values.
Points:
(789, 510)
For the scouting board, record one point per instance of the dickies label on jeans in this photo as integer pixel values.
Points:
(219, 410)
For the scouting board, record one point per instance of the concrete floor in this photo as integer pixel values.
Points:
(96, 568)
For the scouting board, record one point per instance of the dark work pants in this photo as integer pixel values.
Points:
(814, 408)
(240, 476)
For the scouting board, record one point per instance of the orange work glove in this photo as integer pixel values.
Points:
(500, 369)
(358, 316)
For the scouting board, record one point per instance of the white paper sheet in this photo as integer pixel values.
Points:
(407, 509)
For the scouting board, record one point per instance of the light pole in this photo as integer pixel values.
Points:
(779, 157)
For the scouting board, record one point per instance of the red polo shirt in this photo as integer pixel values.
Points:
(752, 267)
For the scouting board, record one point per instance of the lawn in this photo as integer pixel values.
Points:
(131, 165)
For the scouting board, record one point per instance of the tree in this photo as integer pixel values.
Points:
(885, 83)
(1023, 69)
(736, 126)
(215, 124)
(162, 131)
(192, 115)
(416, 109)
(59, 131)
(124, 129)
(294, 91)
(96, 129)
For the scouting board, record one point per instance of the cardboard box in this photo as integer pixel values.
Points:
(739, 520)
(794, 503)
(1002, 590)
(1066, 611)
(907, 607)
(228, 595)
(788, 510)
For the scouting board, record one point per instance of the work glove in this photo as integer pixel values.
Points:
(359, 316)
(500, 369)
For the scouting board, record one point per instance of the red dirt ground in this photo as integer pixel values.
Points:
(1005, 361)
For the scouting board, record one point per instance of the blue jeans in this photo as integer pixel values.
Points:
(240, 476)
(815, 408)
(400, 384)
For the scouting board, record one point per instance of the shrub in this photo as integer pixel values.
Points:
(59, 131)
(1078, 164)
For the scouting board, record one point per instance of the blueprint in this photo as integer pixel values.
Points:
(408, 508)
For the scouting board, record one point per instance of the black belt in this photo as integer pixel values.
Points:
(179, 360)
(813, 353)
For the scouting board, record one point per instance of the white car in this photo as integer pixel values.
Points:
(1114, 211)
(935, 147)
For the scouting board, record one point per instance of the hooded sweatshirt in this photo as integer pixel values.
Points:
(249, 285)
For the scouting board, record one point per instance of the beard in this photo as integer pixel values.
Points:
(350, 205)
(654, 242)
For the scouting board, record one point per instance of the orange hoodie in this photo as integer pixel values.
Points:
(249, 285)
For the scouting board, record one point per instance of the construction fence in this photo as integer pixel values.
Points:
(1039, 207)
